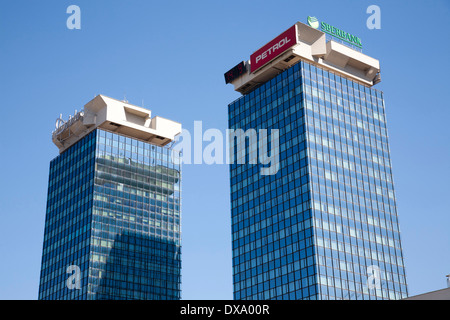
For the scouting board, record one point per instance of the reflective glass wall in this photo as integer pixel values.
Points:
(357, 237)
(325, 225)
(68, 219)
(272, 233)
(132, 221)
(135, 244)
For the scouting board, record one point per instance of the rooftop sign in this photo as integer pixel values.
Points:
(235, 72)
(335, 32)
(273, 49)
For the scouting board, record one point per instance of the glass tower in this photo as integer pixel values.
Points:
(112, 227)
(325, 225)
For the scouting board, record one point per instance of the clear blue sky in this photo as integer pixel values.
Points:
(172, 55)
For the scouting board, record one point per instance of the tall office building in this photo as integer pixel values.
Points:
(112, 226)
(324, 225)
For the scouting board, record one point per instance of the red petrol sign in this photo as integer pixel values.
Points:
(273, 49)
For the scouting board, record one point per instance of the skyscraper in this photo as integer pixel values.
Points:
(112, 225)
(325, 225)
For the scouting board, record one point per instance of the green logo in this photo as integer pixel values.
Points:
(313, 22)
(335, 32)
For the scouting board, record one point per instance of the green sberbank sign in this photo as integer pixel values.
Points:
(335, 32)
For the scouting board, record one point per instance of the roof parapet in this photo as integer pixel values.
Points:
(118, 117)
(313, 47)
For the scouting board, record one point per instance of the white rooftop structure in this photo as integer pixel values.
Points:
(118, 117)
(312, 46)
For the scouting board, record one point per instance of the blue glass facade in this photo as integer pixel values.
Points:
(113, 210)
(318, 227)
(68, 220)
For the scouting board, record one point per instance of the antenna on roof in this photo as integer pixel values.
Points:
(125, 98)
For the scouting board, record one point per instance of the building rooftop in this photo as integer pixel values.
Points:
(115, 116)
(310, 45)
(442, 294)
